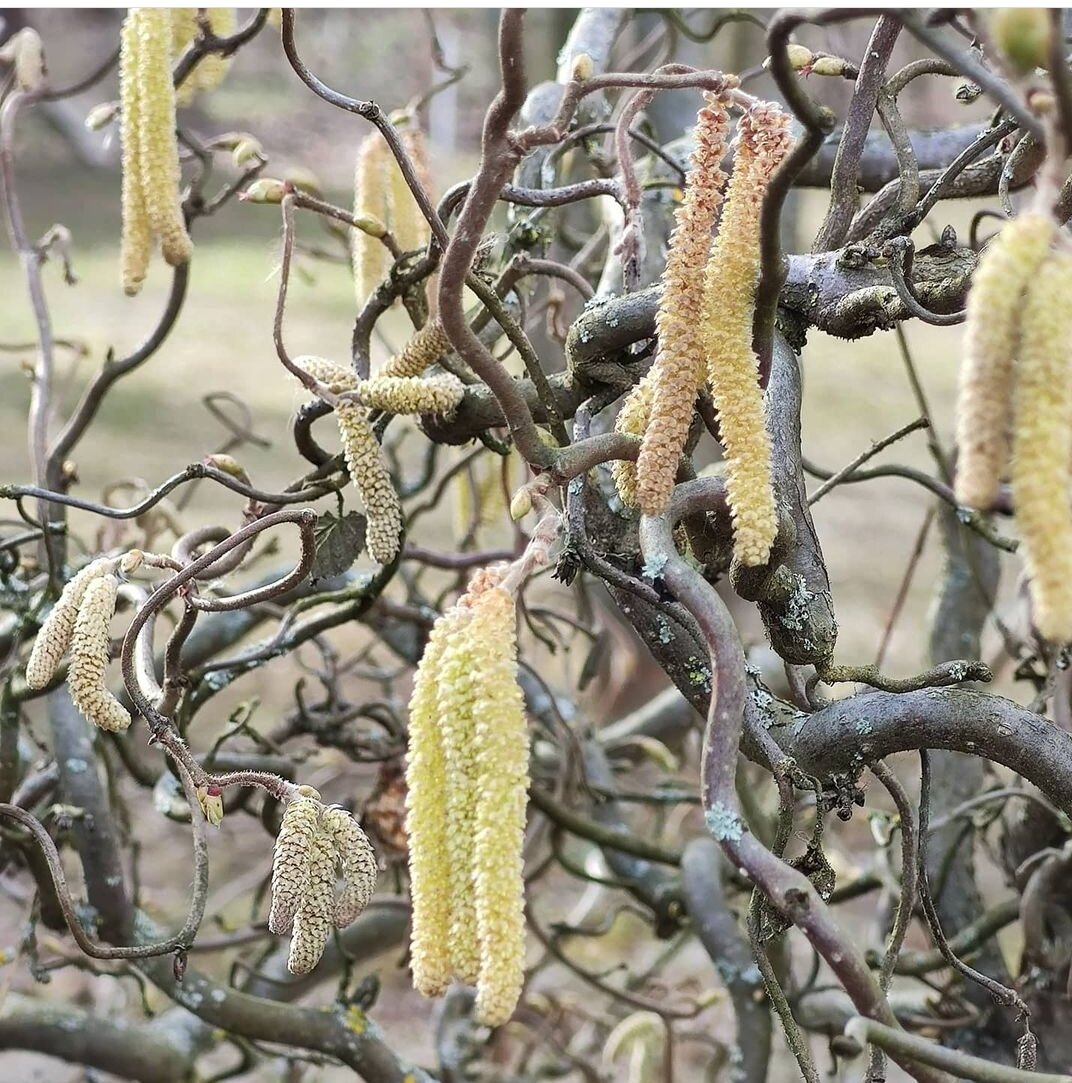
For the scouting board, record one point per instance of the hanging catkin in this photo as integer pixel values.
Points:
(729, 308)
(991, 342)
(677, 371)
(300, 824)
(1042, 445)
(371, 198)
(86, 676)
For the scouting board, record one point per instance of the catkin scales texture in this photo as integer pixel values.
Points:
(991, 342)
(86, 677)
(313, 918)
(369, 473)
(357, 864)
(301, 821)
(677, 371)
(55, 634)
(412, 394)
(424, 348)
(729, 307)
(1042, 446)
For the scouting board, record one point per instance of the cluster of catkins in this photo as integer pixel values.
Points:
(398, 389)
(80, 619)
(314, 844)
(381, 193)
(704, 326)
(1016, 377)
(467, 779)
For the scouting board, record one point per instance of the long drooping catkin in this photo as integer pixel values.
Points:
(1042, 445)
(426, 825)
(502, 757)
(677, 371)
(313, 918)
(424, 348)
(89, 656)
(55, 634)
(991, 341)
(632, 420)
(408, 224)
(371, 197)
(301, 822)
(152, 204)
(357, 863)
(369, 473)
(729, 307)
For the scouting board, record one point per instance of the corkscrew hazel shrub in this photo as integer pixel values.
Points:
(1042, 446)
(728, 309)
(89, 656)
(991, 342)
(677, 372)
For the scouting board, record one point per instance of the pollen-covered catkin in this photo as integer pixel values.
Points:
(212, 68)
(136, 242)
(371, 197)
(336, 378)
(632, 420)
(408, 224)
(357, 863)
(158, 147)
(424, 348)
(413, 394)
(313, 919)
(89, 657)
(455, 706)
(300, 824)
(502, 758)
(426, 825)
(1042, 446)
(677, 371)
(729, 307)
(369, 473)
(991, 341)
(55, 634)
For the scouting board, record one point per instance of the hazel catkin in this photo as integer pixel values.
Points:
(369, 257)
(86, 676)
(991, 342)
(313, 917)
(357, 863)
(439, 394)
(1042, 445)
(729, 307)
(300, 824)
(424, 348)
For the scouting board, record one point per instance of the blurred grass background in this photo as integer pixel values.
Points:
(154, 422)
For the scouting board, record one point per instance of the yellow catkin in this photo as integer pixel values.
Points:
(357, 863)
(158, 146)
(677, 371)
(183, 31)
(408, 224)
(55, 634)
(86, 676)
(371, 198)
(300, 824)
(336, 378)
(729, 308)
(212, 68)
(455, 705)
(632, 420)
(313, 918)
(424, 348)
(136, 241)
(369, 473)
(413, 394)
(502, 755)
(991, 341)
(426, 825)
(1042, 446)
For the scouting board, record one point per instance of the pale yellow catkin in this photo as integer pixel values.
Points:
(158, 146)
(86, 676)
(426, 825)
(336, 378)
(502, 780)
(300, 824)
(632, 420)
(1042, 446)
(212, 68)
(455, 709)
(55, 634)
(357, 863)
(677, 372)
(372, 479)
(991, 342)
(424, 348)
(313, 918)
(408, 224)
(371, 198)
(729, 308)
(439, 394)
(136, 241)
